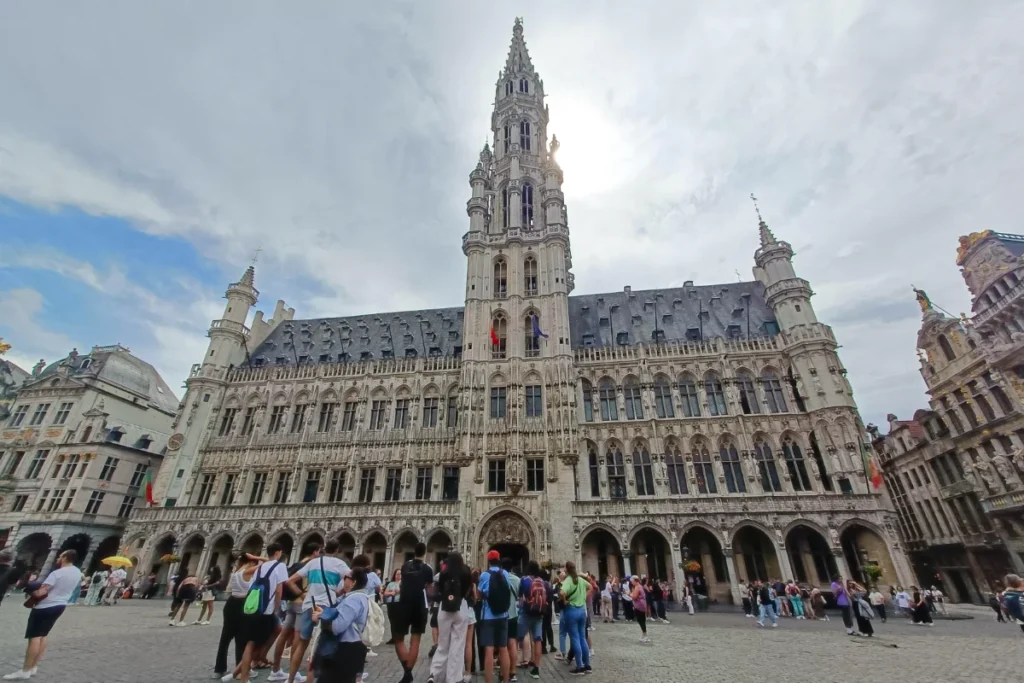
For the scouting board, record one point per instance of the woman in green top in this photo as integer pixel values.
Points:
(574, 591)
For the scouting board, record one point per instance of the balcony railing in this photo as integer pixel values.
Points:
(404, 509)
(1011, 501)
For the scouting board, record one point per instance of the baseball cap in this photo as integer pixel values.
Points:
(493, 555)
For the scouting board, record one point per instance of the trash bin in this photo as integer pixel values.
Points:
(702, 603)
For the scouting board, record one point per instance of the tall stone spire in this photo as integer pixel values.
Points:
(249, 277)
(518, 60)
(765, 232)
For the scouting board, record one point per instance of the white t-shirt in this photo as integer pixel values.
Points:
(334, 571)
(607, 592)
(372, 584)
(626, 595)
(903, 599)
(275, 577)
(63, 583)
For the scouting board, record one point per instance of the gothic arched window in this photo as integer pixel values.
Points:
(663, 398)
(766, 467)
(748, 395)
(675, 468)
(501, 278)
(499, 332)
(526, 207)
(947, 349)
(616, 474)
(643, 472)
(530, 342)
(508, 88)
(524, 85)
(703, 469)
(606, 393)
(773, 392)
(634, 404)
(733, 470)
(796, 465)
(508, 136)
(524, 135)
(716, 397)
(689, 396)
(530, 274)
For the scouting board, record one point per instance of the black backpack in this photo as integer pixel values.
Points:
(451, 593)
(499, 593)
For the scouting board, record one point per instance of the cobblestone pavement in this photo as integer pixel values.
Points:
(132, 643)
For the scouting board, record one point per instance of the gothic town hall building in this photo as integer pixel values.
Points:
(703, 433)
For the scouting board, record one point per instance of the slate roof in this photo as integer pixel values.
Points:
(594, 320)
(118, 366)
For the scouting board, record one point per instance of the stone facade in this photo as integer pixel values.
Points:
(971, 441)
(634, 432)
(75, 447)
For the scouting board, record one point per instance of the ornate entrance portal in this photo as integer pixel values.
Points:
(509, 534)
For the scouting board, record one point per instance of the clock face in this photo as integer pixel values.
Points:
(174, 443)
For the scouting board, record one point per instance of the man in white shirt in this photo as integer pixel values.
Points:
(54, 594)
(115, 585)
(259, 628)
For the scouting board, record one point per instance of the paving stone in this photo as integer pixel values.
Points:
(131, 642)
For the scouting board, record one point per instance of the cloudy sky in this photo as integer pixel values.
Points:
(147, 149)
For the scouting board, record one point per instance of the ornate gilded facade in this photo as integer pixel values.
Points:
(966, 525)
(632, 431)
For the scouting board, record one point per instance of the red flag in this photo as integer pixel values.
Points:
(494, 337)
(149, 488)
(876, 476)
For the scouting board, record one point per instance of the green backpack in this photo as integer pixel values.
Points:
(258, 597)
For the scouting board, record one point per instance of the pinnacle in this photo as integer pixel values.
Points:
(766, 234)
(518, 60)
(248, 277)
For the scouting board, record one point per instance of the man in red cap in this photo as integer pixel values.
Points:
(492, 630)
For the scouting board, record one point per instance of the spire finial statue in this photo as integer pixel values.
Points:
(766, 234)
(922, 299)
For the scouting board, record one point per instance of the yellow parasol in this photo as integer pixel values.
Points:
(117, 561)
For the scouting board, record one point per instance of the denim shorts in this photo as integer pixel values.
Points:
(530, 624)
(305, 626)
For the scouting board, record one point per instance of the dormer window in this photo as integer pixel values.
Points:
(115, 434)
(410, 353)
(144, 442)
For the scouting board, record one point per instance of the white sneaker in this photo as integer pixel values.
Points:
(277, 676)
(299, 678)
(228, 677)
(181, 623)
(775, 625)
(371, 653)
(33, 671)
(171, 622)
(665, 621)
(18, 676)
(205, 623)
(196, 622)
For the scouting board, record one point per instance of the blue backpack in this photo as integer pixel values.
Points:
(258, 598)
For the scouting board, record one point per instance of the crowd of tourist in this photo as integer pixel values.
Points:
(326, 614)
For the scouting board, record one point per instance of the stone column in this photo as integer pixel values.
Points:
(730, 565)
(51, 557)
(785, 566)
(93, 546)
(627, 562)
(678, 573)
(204, 560)
(389, 560)
(844, 568)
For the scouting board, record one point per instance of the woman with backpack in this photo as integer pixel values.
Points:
(455, 587)
(341, 654)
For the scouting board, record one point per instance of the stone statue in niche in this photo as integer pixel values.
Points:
(1018, 459)
(968, 467)
(984, 471)
(833, 535)
(1005, 471)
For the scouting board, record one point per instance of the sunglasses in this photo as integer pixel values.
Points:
(348, 577)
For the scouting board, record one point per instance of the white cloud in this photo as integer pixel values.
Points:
(19, 310)
(339, 139)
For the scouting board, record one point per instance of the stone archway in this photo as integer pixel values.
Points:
(105, 549)
(863, 546)
(652, 556)
(34, 548)
(510, 533)
(810, 556)
(755, 556)
(601, 553)
(709, 572)
(80, 544)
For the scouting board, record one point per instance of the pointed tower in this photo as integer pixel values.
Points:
(517, 375)
(816, 374)
(204, 387)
